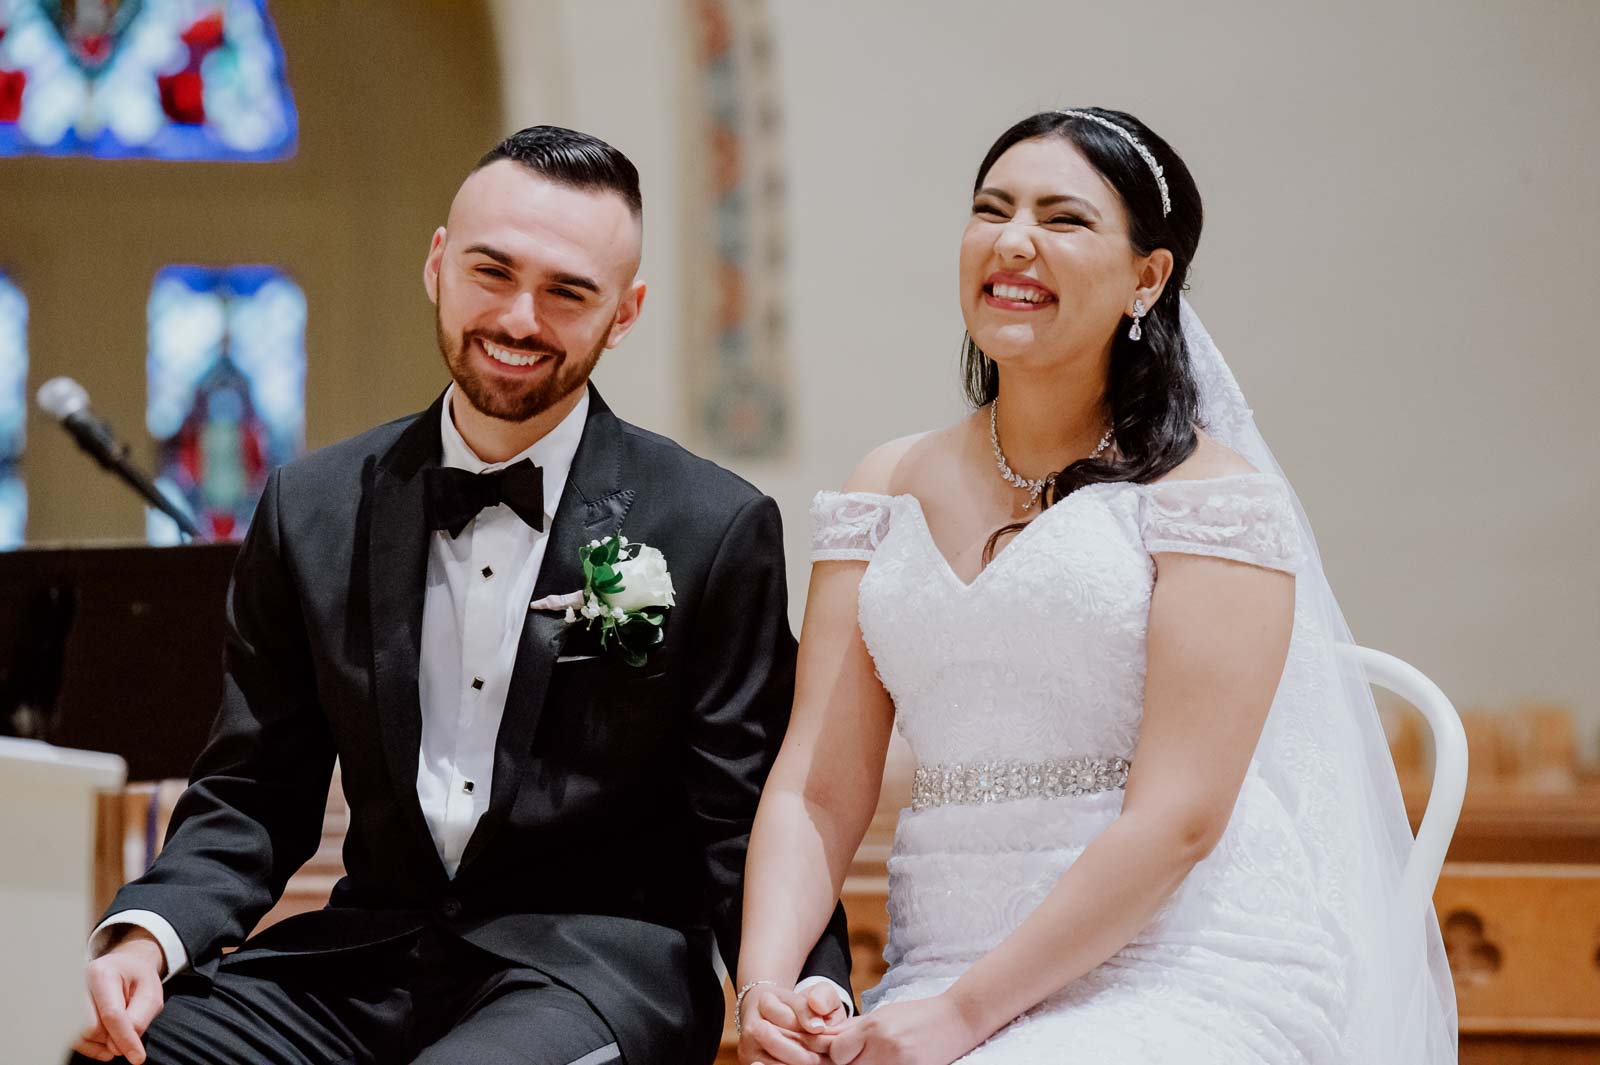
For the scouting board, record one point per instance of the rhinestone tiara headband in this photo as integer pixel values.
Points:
(1144, 153)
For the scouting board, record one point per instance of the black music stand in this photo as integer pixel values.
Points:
(115, 648)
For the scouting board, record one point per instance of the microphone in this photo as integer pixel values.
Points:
(66, 401)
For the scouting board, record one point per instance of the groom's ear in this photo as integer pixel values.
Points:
(431, 265)
(627, 315)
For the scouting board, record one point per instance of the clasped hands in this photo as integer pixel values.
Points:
(790, 1028)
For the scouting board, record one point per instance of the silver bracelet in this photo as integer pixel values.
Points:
(738, 1002)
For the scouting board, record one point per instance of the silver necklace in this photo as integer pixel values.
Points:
(1034, 488)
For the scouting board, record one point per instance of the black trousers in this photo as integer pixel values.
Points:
(431, 999)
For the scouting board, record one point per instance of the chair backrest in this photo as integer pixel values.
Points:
(1449, 768)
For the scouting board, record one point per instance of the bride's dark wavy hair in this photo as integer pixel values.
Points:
(1152, 400)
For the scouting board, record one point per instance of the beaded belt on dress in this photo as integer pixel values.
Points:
(951, 783)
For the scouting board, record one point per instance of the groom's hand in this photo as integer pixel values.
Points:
(781, 1027)
(822, 999)
(929, 1031)
(125, 995)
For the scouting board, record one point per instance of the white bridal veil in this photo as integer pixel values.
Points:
(1325, 756)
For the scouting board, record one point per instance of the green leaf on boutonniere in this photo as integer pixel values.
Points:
(607, 581)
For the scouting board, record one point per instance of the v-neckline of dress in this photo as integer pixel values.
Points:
(950, 574)
(943, 561)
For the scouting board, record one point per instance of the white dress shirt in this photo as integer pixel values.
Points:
(473, 612)
(479, 585)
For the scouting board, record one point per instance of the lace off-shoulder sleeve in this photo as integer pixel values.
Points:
(1246, 518)
(848, 526)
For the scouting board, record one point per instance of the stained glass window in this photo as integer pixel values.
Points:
(13, 411)
(163, 79)
(226, 377)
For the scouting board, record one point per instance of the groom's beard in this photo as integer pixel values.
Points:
(510, 401)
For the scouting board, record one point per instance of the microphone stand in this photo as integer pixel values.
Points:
(120, 465)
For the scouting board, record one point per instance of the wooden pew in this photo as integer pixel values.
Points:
(1524, 947)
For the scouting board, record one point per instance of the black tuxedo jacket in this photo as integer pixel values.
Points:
(613, 846)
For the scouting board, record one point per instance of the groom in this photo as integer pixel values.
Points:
(545, 832)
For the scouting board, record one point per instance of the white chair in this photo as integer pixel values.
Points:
(46, 858)
(1449, 768)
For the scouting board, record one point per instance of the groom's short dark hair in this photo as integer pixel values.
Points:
(577, 160)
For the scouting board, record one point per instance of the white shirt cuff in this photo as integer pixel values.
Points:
(844, 996)
(176, 957)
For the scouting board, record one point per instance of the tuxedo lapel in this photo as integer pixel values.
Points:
(397, 545)
(593, 505)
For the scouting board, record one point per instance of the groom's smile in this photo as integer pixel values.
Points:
(512, 357)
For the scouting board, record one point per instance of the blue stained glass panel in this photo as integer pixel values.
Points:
(13, 412)
(226, 390)
(162, 79)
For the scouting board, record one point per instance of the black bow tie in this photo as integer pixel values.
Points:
(455, 496)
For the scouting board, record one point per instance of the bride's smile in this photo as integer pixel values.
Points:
(1016, 292)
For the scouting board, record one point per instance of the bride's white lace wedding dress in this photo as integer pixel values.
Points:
(1298, 940)
(1021, 695)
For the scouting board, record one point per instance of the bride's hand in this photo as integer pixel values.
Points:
(781, 1028)
(930, 1031)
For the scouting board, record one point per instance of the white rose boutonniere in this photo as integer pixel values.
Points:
(627, 591)
(645, 580)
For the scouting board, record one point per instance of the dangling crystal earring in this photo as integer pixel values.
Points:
(1134, 332)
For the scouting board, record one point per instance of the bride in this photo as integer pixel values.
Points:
(1152, 820)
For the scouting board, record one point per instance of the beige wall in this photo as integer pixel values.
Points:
(1398, 258)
